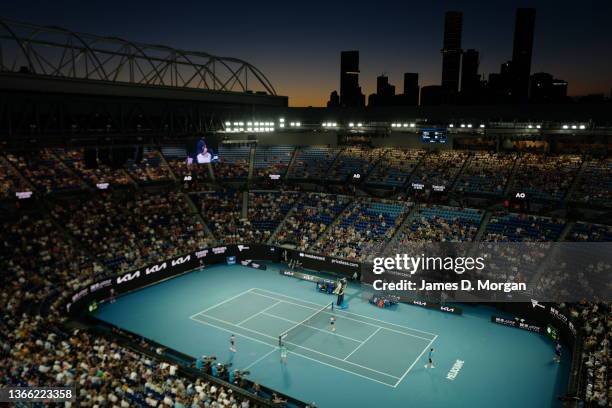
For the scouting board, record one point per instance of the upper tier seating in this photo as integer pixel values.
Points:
(595, 183)
(354, 160)
(439, 168)
(75, 159)
(486, 173)
(233, 163)
(545, 177)
(151, 168)
(45, 171)
(312, 162)
(272, 160)
(395, 168)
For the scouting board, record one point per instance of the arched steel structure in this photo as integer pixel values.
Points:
(58, 52)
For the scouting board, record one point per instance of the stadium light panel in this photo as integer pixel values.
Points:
(359, 124)
(469, 125)
(281, 125)
(228, 123)
(412, 125)
(351, 124)
(538, 126)
(451, 125)
(463, 125)
(281, 120)
(482, 125)
(298, 124)
(574, 127)
(582, 127)
(565, 127)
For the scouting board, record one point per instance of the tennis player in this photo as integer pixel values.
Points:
(430, 358)
(557, 358)
(283, 354)
(232, 341)
(332, 323)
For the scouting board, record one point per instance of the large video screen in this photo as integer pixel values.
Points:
(434, 135)
(201, 151)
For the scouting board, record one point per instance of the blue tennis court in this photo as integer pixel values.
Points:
(375, 357)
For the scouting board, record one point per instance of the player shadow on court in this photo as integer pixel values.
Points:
(286, 375)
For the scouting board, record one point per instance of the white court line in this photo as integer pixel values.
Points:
(297, 354)
(348, 318)
(299, 345)
(221, 303)
(260, 358)
(415, 361)
(364, 342)
(344, 311)
(258, 313)
(314, 328)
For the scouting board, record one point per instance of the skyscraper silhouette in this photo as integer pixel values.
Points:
(411, 88)
(470, 79)
(451, 53)
(521, 53)
(350, 91)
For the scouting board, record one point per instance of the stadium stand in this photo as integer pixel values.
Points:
(511, 227)
(267, 209)
(233, 163)
(272, 160)
(45, 171)
(582, 231)
(362, 229)
(10, 181)
(221, 211)
(128, 230)
(486, 173)
(439, 168)
(150, 169)
(75, 159)
(193, 176)
(545, 177)
(37, 348)
(354, 160)
(313, 214)
(439, 224)
(395, 168)
(312, 162)
(595, 183)
(47, 256)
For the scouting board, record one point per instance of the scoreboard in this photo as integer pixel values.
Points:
(434, 135)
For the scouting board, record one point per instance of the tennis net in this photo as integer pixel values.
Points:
(316, 320)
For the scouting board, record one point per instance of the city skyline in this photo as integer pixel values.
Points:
(393, 39)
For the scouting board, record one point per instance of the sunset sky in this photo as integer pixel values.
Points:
(297, 45)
